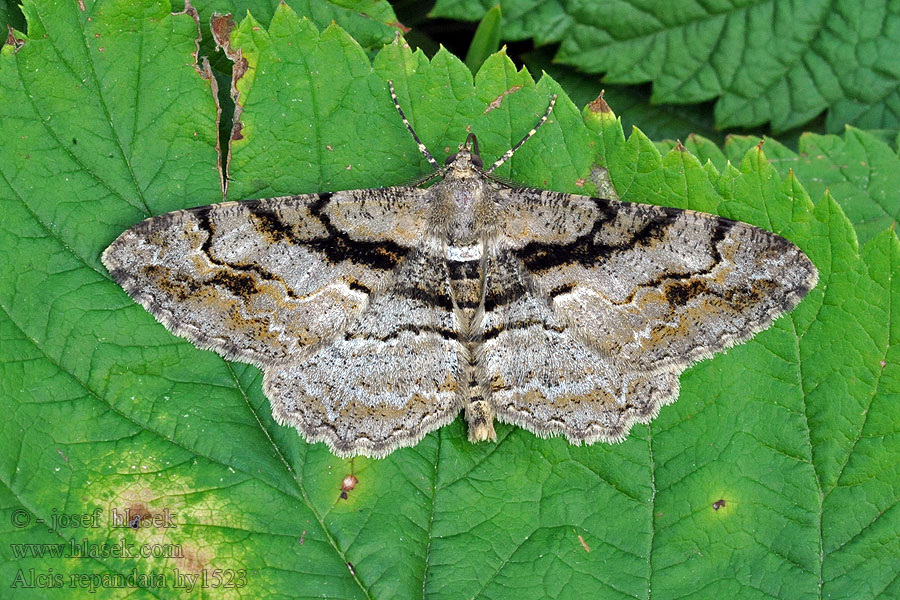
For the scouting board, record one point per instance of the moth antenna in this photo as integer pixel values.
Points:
(528, 135)
(422, 147)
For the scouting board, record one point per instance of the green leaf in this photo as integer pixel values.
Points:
(486, 40)
(765, 62)
(545, 21)
(371, 22)
(859, 170)
(10, 15)
(796, 430)
(631, 102)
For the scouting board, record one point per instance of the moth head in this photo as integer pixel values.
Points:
(467, 158)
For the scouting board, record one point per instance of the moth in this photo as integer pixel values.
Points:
(377, 315)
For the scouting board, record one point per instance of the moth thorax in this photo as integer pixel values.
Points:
(465, 199)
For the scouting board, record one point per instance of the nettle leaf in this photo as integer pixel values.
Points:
(765, 62)
(372, 23)
(632, 102)
(546, 22)
(858, 169)
(775, 473)
(10, 16)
